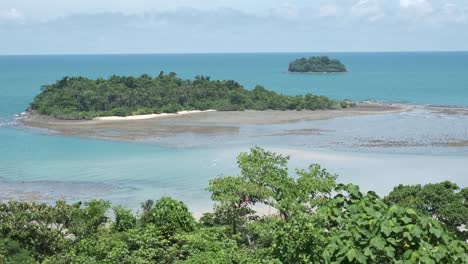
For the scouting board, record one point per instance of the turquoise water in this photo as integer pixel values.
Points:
(422, 78)
(40, 165)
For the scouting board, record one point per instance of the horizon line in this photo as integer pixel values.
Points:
(229, 52)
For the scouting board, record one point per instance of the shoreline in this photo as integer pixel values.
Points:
(196, 123)
(203, 128)
(149, 116)
(317, 73)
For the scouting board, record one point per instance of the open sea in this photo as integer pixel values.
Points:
(41, 165)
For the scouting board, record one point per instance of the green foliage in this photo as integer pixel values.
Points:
(102, 247)
(318, 222)
(124, 219)
(235, 195)
(361, 228)
(82, 98)
(146, 206)
(210, 219)
(37, 227)
(87, 220)
(443, 201)
(299, 240)
(12, 253)
(149, 245)
(207, 245)
(316, 64)
(170, 216)
(268, 171)
(48, 230)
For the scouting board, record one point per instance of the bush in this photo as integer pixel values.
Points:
(172, 108)
(143, 111)
(170, 216)
(124, 219)
(12, 252)
(120, 111)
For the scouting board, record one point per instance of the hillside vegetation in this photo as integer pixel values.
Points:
(317, 221)
(83, 98)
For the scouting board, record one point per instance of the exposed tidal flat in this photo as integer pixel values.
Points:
(201, 128)
(150, 127)
(418, 144)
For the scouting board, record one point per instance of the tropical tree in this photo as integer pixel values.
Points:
(235, 196)
(443, 201)
(269, 172)
(170, 217)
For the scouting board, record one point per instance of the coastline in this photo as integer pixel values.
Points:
(203, 123)
(318, 73)
(149, 116)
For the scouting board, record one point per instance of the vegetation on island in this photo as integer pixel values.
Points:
(83, 98)
(321, 64)
(317, 221)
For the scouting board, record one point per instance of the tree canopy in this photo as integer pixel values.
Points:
(317, 64)
(83, 98)
(444, 201)
(314, 220)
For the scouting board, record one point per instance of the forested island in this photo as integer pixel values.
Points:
(83, 98)
(321, 64)
(316, 220)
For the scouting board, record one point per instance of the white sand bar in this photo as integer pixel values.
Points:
(140, 117)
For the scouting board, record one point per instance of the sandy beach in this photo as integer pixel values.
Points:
(196, 122)
(149, 116)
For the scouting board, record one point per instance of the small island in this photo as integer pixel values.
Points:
(75, 98)
(321, 64)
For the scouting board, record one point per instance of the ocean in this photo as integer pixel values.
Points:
(41, 165)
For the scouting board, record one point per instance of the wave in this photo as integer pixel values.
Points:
(8, 120)
(404, 102)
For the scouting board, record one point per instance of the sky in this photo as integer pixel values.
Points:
(183, 26)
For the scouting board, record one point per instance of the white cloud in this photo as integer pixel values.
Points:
(328, 10)
(452, 13)
(412, 3)
(11, 14)
(368, 9)
(423, 6)
(286, 10)
(282, 25)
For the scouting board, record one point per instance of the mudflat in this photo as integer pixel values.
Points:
(201, 122)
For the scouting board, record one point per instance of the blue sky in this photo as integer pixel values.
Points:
(180, 26)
